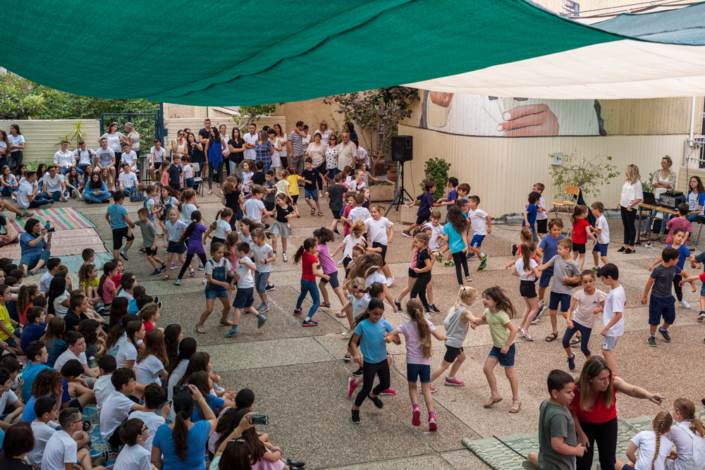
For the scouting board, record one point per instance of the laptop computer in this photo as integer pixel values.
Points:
(649, 199)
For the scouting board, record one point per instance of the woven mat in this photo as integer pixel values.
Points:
(63, 243)
(61, 218)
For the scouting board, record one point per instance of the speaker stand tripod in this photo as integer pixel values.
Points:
(399, 190)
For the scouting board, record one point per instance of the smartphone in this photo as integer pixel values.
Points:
(181, 388)
(259, 420)
(49, 228)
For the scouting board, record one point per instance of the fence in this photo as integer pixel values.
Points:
(42, 136)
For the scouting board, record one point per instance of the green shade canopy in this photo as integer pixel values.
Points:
(248, 52)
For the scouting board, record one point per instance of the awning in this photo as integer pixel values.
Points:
(247, 52)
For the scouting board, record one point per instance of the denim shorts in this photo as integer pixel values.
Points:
(261, 281)
(505, 360)
(702, 289)
(609, 342)
(174, 248)
(562, 299)
(216, 292)
(311, 194)
(415, 372)
(602, 248)
(244, 298)
(546, 277)
(660, 307)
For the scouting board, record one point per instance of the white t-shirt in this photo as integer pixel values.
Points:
(377, 229)
(434, 241)
(324, 136)
(478, 220)
(128, 180)
(376, 277)
(353, 185)
(613, 304)
(158, 154)
(350, 242)
(542, 215)
(60, 310)
(15, 140)
(173, 380)
(117, 407)
(25, 190)
(127, 352)
(131, 159)
(64, 158)
(523, 275)
(135, 457)
(250, 154)
(153, 421)
(102, 388)
(221, 229)
(186, 211)
(59, 450)
(147, 371)
(359, 213)
(113, 140)
(260, 253)
(84, 156)
(306, 140)
(604, 237)
(66, 356)
(245, 281)
(7, 398)
(360, 305)
(646, 442)
(253, 209)
(188, 171)
(45, 281)
(631, 192)
(42, 433)
(584, 310)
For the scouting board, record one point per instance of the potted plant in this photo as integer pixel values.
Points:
(436, 170)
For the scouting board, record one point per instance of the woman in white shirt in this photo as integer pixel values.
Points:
(127, 355)
(152, 360)
(16, 147)
(226, 148)
(325, 132)
(632, 195)
(4, 148)
(178, 145)
(664, 180)
(281, 136)
(133, 138)
(114, 139)
(317, 152)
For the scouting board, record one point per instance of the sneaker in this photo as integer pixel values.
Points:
(514, 250)
(468, 279)
(357, 373)
(156, 272)
(483, 263)
(433, 389)
(453, 383)
(284, 257)
(449, 263)
(378, 403)
(355, 418)
(701, 317)
(177, 282)
(124, 255)
(347, 358)
(595, 269)
(297, 312)
(389, 391)
(664, 333)
(263, 308)
(261, 319)
(685, 304)
(440, 258)
(398, 304)
(432, 426)
(470, 255)
(269, 288)
(309, 323)
(335, 231)
(275, 253)
(390, 281)
(416, 417)
(162, 268)
(538, 315)
(571, 362)
(351, 386)
(75, 194)
(431, 308)
(345, 332)
(406, 233)
(14, 198)
(232, 332)
(201, 267)
(652, 341)
(174, 265)
(158, 301)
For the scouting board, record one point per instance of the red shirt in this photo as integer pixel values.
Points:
(23, 315)
(598, 414)
(148, 327)
(346, 214)
(579, 232)
(307, 265)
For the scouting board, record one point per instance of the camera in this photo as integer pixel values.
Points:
(259, 420)
(181, 388)
(49, 228)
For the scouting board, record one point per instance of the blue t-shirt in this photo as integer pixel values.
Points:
(683, 254)
(531, 216)
(455, 240)
(28, 414)
(195, 440)
(452, 195)
(213, 402)
(117, 215)
(31, 333)
(427, 202)
(549, 245)
(28, 375)
(56, 349)
(374, 349)
(31, 251)
(132, 307)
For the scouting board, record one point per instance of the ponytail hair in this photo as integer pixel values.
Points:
(578, 211)
(662, 423)
(358, 228)
(132, 329)
(183, 407)
(526, 249)
(224, 212)
(373, 305)
(687, 410)
(307, 245)
(261, 233)
(107, 269)
(195, 219)
(415, 310)
(465, 294)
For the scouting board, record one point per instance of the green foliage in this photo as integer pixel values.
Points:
(436, 170)
(248, 114)
(646, 185)
(586, 173)
(16, 99)
(74, 136)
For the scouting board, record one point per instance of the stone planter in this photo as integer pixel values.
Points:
(378, 164)
(392, 173)
(382, 192)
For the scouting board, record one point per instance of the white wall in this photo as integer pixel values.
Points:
(42, 136)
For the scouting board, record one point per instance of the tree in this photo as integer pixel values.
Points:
(16, 99)
(378, 112)
(586, 173)
(248, 114)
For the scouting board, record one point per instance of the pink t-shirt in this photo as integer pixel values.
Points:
(234, 258)
(414, 350)
(327, 262)
(675, 223)
(108, 288)
(413, 261)
(584, 310)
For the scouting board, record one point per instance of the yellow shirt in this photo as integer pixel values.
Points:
(5, 318)
(95, 283)
(293, 184)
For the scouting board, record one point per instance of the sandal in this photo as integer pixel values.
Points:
(325, 304)
(341, 315)
(200, 329)
(552, 337)
(576, 340)
(492, 401)
(225, 323)
(191, 272)
(320, 214)
(165, 278)
(313, 211)
(516, 406)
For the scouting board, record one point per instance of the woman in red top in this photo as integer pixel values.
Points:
(307, 254)
(595, 411)
(580, 231)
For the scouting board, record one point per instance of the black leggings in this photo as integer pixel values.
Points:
(381, 369)
(677, 287)
(189, 258)
(320, 170)
(628, 220)
(420, 290)
(460, 259)
(211, 170)
(605, 436)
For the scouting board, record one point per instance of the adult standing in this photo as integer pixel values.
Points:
(226, 147)
(350, 129)
(16, 147)
(317, 152)
(205, 133)
(332, 156)
(263, 150)
(632, 195)
(196, 151)
(324, 131)
(35, 250)
(361, 156)
(4, 148)
(664, 180)
(594, 410)
(214, 158)
(114, 138)
(179, 145)
(281, 137)
(236, 145)
(347, 152)
(250, 141)
(133, 138)
(296, 147)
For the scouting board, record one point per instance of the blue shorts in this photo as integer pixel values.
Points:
(244, 298)
(702, 289)
(261, 281)
(32, 262)
(311, 194)
(562, 299)
(11, 342)
(660, 307)
(216, 292)
(415, 372)
(505, 360)
(601, 248)
(174, 248)
(476, 241)
(546, 277)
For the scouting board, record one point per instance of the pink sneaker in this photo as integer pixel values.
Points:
(432, 423)
(389, 391)
(453, 383)
(433, 389)
(351, 386)
(416, 419)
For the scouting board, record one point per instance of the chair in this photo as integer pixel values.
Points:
(569, 197)
(197, 180)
